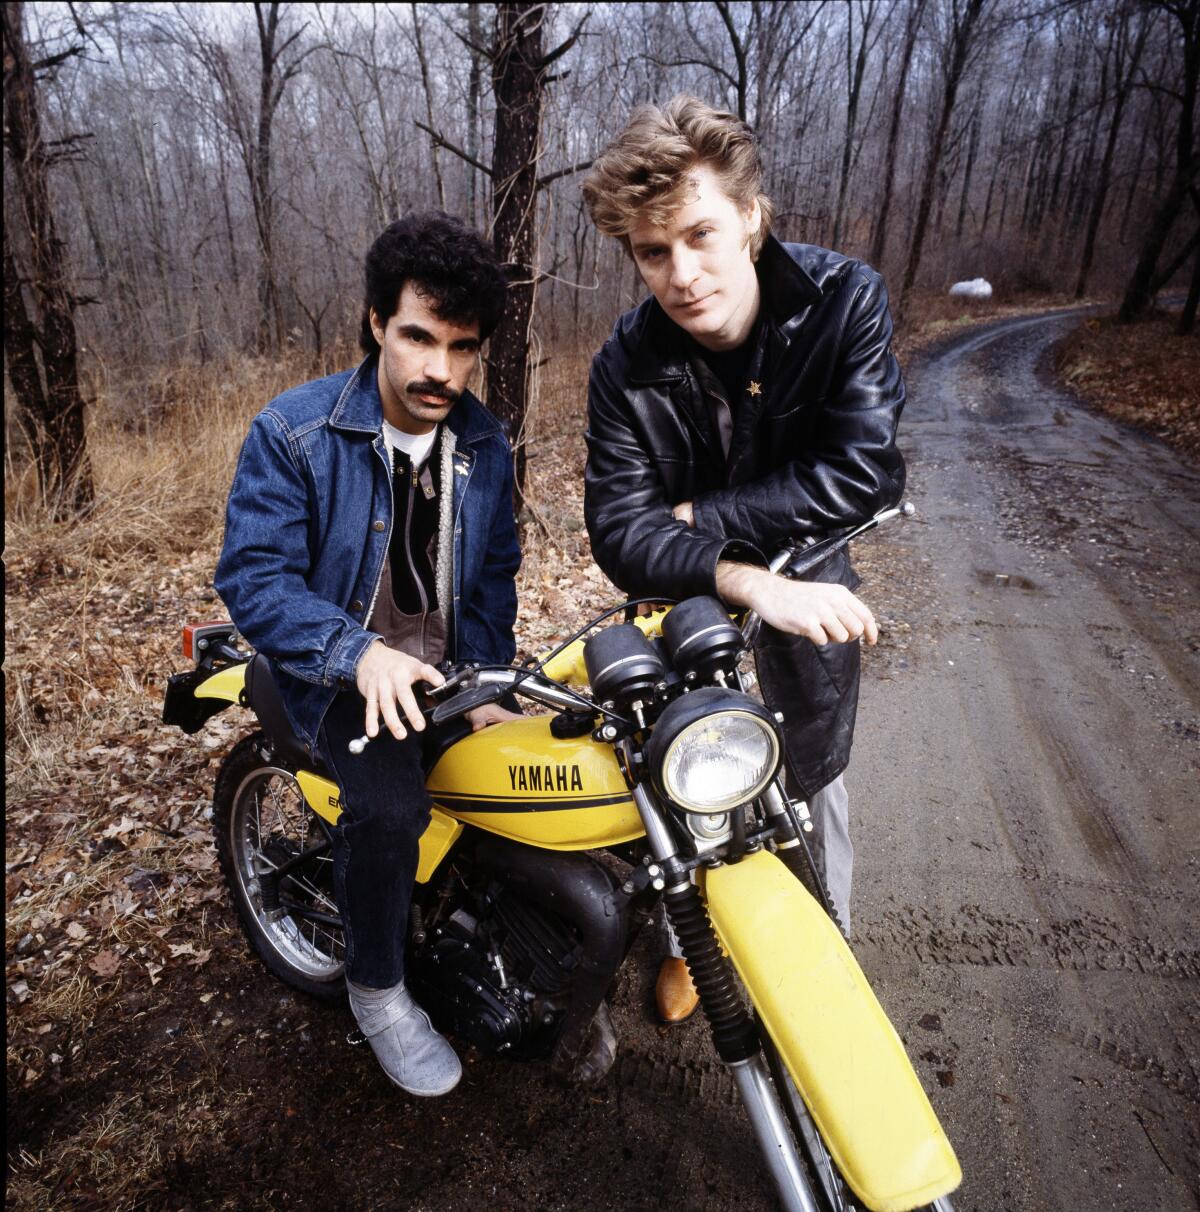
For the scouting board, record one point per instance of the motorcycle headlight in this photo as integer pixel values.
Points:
(712, 750)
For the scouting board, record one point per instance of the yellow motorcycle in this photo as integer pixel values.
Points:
(656, 776)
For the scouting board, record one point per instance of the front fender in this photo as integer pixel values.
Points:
(835, 1039)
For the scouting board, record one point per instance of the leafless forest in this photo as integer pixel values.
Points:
(186, 182)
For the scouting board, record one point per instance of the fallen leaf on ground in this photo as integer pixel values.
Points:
(105, 963)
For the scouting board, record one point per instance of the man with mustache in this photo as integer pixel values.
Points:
(751, 400)
(369, 535)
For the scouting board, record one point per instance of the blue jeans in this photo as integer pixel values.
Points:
(385, 809)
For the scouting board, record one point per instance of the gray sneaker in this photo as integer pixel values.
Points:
(412, 1053)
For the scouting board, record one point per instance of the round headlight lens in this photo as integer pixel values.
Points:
(720, 761)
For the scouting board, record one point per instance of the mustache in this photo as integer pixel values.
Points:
(422, 387)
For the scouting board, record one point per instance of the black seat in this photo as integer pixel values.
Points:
(263, 698)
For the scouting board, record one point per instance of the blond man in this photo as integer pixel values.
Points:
(751, 400)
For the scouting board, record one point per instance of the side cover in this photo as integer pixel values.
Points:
(441, 833)
(842, 1052)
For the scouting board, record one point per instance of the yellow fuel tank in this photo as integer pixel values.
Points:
(518, 780)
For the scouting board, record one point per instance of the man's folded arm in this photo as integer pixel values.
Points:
(261, 575)
(852, 469)
(635, 539)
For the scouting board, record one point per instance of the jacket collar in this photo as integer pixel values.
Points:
(661, 347)
(360, 409)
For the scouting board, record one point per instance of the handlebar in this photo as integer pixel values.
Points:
(545, 685)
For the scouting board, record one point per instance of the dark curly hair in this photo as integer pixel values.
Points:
(453, 266)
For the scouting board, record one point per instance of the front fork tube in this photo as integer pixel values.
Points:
(774, 1137)
(734, 1033)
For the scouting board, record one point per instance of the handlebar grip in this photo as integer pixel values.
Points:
(467, 700)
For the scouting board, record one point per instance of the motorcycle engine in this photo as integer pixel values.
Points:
(496, 971)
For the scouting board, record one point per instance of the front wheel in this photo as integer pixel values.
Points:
(276, 857)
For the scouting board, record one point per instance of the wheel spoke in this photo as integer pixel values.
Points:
(270, 827)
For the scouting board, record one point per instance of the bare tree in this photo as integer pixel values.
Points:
(252, 124)
(912, 26)
(1140, 290)
(519, 78)
(1127, 58)
(962, 22)
(51, 400)
(856, 65)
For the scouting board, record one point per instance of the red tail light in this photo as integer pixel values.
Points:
(197, 637)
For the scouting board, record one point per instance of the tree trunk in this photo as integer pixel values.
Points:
(1124, 81)
(518, 83)
(972, 151)
(64, 469)
(856, 65)
(912, 26)
(1187, 321)
(423, 63)
(1140, 290)
(474, 90)
(960, 47)
(270, 316)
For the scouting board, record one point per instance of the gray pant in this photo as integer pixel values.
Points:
(831, 847)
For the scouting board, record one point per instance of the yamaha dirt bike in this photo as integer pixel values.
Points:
(658, 762)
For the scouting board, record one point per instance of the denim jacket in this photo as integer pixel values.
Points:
(307, 529)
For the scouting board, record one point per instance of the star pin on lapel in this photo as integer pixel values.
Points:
(755, 389)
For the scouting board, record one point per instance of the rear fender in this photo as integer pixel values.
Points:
(195, 697)
(842, 1052)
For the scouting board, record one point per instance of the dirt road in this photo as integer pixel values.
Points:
(1025, 807)
(1026, 779)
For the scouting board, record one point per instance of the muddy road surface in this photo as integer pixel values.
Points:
(1026, 783)
(1024, 800)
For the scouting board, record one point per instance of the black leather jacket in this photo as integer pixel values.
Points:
(814, 453)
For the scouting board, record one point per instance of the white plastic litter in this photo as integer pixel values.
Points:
(976, 288)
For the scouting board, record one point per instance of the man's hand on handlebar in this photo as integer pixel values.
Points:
(385, 679)
(818, 611)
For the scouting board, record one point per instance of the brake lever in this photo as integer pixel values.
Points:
(468, 670)
(793, 562)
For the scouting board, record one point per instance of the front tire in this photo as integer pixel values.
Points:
(261, 821)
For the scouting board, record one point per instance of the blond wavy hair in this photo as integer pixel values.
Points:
(643, 172)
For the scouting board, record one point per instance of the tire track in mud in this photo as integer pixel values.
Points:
(974, 936)
(681, 1081)
(706, 1160)
(1129, 891)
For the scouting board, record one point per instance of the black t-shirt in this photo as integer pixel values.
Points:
(731, 366)
(412, 553)
(726, 380)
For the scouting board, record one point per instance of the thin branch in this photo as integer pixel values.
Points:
(708, 63)
(560, 50)
(440, 140)
(51, 61)
(545, 180)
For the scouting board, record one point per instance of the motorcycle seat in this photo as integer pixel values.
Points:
(264, 699)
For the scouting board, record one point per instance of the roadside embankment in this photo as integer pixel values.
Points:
(1145, 375)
